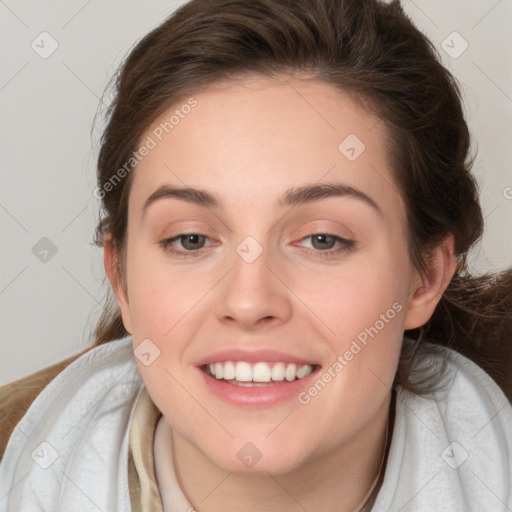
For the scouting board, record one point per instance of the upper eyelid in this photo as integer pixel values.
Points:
(310, 231)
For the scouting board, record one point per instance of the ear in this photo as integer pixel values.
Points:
(427, 292)
(111, 263)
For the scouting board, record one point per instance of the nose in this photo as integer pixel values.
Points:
(254, 295)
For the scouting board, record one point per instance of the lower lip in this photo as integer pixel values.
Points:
(256, 395)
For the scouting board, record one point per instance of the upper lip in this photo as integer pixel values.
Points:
(253, 356)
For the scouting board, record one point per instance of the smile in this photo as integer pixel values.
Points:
(243, 373)
(256, 378)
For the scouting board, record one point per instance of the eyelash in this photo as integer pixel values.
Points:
(347, 246)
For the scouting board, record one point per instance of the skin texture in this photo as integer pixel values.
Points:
(249, 142)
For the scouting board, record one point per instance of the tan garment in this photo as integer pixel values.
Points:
(144, 494)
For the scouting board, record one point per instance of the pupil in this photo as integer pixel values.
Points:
(322, 239)
(190, 238)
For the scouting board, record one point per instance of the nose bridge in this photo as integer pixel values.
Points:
(252, 291)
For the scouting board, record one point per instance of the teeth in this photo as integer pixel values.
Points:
(291, 372)
(242, 371)
(261, 372)
(302, 371)
(218, 370)
(229, 371)
(278, 371)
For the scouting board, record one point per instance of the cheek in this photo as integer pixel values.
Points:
(351, 298)
(163, 382)
(362, 308)
(158, 297)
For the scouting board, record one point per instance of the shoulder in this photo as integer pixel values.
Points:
(82, 413)
(447, 371)
(469, 379)
(457, 379)
(454, 443)
(17, 396)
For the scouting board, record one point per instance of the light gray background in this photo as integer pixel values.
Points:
(48, 152)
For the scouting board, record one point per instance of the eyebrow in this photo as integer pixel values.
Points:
(292, 197)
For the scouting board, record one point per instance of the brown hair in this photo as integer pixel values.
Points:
(372, 50)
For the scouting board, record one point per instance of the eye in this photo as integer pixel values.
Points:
(193, 245)
(189, 241)
(323, 244)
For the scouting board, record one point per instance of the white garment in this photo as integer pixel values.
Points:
(450, 454)
(70, 451)
(453, 453)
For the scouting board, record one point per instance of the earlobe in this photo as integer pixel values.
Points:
(426, 294)
(110, 261)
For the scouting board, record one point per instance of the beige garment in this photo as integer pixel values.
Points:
(144, 493)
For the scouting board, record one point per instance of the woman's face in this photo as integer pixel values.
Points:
(298, 268)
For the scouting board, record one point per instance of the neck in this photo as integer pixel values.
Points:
(340, 480)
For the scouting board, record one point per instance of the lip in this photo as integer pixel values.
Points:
(261, 396)
(257, 396)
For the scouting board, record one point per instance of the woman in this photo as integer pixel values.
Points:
(287, 210)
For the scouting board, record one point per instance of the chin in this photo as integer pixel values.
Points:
(257, 458)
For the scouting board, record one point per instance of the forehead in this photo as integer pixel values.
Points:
(257, 137)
